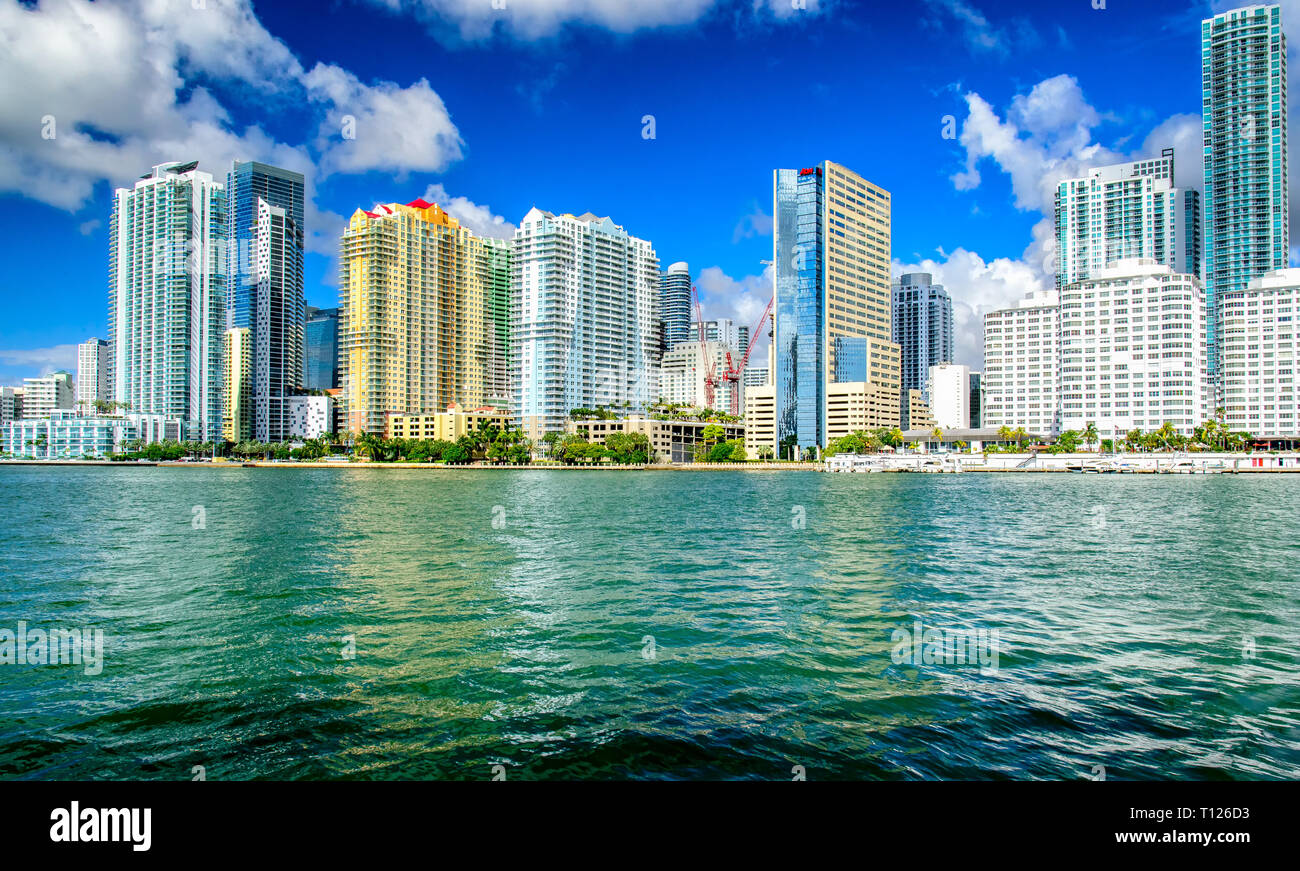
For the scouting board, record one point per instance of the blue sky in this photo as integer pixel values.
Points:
(541, 103)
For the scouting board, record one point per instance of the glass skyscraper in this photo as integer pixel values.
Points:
(322, 371)
(831, 250)
(1244, 101)
(675, 304)
(265, 290)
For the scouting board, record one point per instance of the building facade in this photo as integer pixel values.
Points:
(167, 296)
(310, 416)
(446, 426)
(48, 394)
(237, 386)
(1020, 364)
(11, 404)
(584, 314)
(92, 374)
(424, 315)
(264, 287)
(1260, 352)
(948, 392)
(322, 337)
(831, 262)
(683, 373)
(922, 327)
(672, 441)
(1125, 212)
(1244, 108)
(675, 305)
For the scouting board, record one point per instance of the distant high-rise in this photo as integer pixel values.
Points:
(948, 395)
(322, 370)
(423, 321)
(584, 308)
(92, 374)
(675, 305)
(831, 255)
(265, 286)
(726, 331)
(1244, 102)
(167, 296)
(922, 328)
(1124, 212)
(47, 394)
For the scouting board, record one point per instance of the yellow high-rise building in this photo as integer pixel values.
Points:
(424, 315)
(237, 396)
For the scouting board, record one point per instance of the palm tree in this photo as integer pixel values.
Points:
(1019, 435)
(1090, 434)
(1005, 434)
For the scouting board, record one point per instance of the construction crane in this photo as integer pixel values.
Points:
(734, 373)
(707, 363)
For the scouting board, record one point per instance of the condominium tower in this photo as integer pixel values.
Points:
(675, 305)
(1260, 349)
(584, 307)
(92, 374)
(831, 254)
(1123, 212)
(423, 319)
(1020, 364)
(1244, 102)
(1132, 350)
(167, 296)
(922, 327)
(264, 290)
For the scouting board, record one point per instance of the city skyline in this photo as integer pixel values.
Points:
(990, 201)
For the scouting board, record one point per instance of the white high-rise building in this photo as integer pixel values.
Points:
(948, 389)
(682, 377)
(167, 296)
(1259, 353)
(310, 416)
(1132, 352)
(1020, 365)
(1123, 212)
(584, 305)
(45, 395)
(92, 374)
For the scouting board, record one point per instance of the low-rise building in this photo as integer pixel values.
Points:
(852, 406)
(62, 435)
(760, 420)
(916, 412)
(449, 425)
(310, 416)
(671, 441)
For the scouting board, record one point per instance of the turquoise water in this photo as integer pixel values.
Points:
(650, 625)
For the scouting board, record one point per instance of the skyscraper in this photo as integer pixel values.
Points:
(1244, 102)
(1124, 212)
(265, 286)
(675, 305)
(423, 318)
(922, 328)
(92, 374)
(584, 309)
(322, 370)
(167, 296)
(831, 245)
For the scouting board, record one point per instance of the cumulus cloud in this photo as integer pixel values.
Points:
(526, 20)
(479, 219)
(46, 360)
(742, 300)
(976, 286)
(94, 92)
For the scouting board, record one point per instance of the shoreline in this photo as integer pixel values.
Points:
(1011, 464)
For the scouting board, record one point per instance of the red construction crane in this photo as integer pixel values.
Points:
(707, 362)
(733, 374)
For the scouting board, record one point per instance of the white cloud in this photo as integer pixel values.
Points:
(980, 35)
(976, 286)
(526, 20)
(382, 126)
(106, 79)
(88, 227)
(44, 360)
(756, 223)
(742, 300)
(479, 219)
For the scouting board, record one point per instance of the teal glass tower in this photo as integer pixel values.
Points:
(1244, 100)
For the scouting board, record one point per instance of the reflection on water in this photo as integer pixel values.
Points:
(649, 625)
